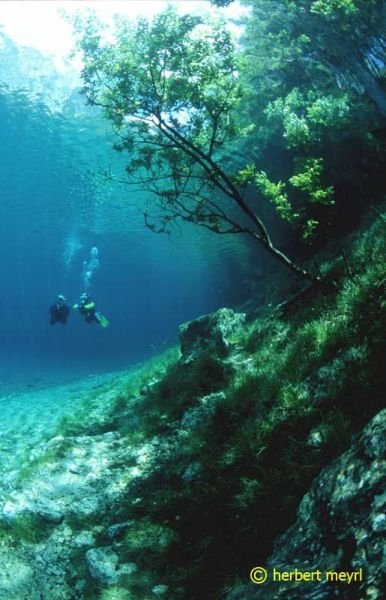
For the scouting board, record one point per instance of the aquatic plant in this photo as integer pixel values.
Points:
(145, 541)
(288, 397)
(180, 385)
(280, 421)
(44, 456)
(27, 527)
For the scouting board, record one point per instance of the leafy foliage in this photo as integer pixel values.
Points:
(313, 74)
(169, 89)
(331, 7)
(308, 179)
(293, 114)
(304, 120)
(172, 89)
(275, 192)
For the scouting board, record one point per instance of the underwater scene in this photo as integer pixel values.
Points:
(193, 307)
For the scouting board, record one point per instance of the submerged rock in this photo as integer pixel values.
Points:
(49, 511)
(318, 436)
(104, 568)
(329, 380)
(192, 472)
(118, 530)
(340, 528)
(16, 578)
(102, 564)
(202, 415)
(209, 333)
(85, 538)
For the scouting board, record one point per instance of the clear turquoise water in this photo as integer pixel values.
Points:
(55, 206)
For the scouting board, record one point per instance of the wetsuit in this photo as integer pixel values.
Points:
(88, 312)
(59, 313)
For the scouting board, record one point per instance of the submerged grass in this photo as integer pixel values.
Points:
(296, 389)
(105, 409)
(301, 396)
(28, 528)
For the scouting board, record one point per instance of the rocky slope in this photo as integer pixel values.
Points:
(260, 443)
(340, 528)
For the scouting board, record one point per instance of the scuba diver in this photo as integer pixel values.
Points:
(86, 307)
(59, 311)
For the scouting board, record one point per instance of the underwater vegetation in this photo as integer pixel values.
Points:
(239, 471)
(196, 462)
(222, 137)
(261, 438)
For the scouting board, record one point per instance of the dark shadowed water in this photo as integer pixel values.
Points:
(55, 207)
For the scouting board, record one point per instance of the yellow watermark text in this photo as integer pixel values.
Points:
(259, 575)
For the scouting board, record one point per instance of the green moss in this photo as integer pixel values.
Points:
(256, 459)
(179, 388)
(146, 540)
(29, 468)
(102, 411)
(27, 528)
(263, 445)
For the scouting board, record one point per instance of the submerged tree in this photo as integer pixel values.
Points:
(171, 88)
(319, 106)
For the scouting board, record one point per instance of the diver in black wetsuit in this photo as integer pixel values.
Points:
(86, 307)
(59, 311)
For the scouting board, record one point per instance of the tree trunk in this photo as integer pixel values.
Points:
(287, 262)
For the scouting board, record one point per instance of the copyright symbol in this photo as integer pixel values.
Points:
(258, 575)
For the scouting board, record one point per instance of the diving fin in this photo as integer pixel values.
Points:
(102, 320)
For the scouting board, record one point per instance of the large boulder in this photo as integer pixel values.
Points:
(209, 333)
(340, 527)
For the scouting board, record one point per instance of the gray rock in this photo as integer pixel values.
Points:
(87, 506)
(43, 508)
(379, 522)
(102, 564)
(118, 529)
(148, 387)
(75, 469)
(339, 527)
(16, 578)
(80, 585)
(330, 379)
(318, 436)
(209, 332)
(85, 538)
(201, 416)
(49, 511)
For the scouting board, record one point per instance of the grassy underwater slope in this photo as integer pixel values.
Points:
(176, 480)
